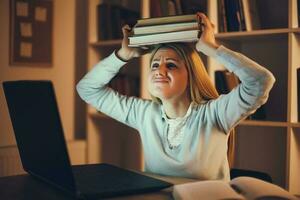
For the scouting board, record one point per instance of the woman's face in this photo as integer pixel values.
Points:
(168, 76)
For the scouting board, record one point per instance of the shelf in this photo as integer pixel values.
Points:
(296, 124)
(106, 43)
(256, 33)
(263, 123)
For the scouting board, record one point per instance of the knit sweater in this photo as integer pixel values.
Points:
(202, 153)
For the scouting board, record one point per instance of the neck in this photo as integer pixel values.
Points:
(176, 109)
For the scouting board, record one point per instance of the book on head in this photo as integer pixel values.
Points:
(163, 28)
(179, 36)
(166, 20)
(180, 28)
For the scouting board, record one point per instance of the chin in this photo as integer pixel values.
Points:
(156, 94)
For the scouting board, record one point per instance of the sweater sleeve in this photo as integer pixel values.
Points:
(93, 90)
(249, 95)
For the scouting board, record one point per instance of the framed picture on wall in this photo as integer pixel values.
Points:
(31, 24)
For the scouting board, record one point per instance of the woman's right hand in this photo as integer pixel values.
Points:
(126, 53)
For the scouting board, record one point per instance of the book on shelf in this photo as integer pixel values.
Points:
(193, 6)
(164, 8)
(240, 188)
(251, 15)
(238, 15)
(222, 20)
(111, 18)
(149, 31)
(234, 15)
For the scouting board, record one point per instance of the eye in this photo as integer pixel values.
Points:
(171, 66)
(154, 65)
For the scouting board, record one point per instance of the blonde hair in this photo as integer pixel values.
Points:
(200, 85)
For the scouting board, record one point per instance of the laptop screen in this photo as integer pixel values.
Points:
(38, 131)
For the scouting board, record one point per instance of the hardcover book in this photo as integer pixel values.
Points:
(179, 36)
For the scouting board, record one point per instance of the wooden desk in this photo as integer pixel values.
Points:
(25, 187)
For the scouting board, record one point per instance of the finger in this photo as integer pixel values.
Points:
(126, 30)
(205, 20)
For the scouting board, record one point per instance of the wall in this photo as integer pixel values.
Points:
(68, 67)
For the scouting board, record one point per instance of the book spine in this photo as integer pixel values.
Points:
(155, 8)
(254, 15)
(231, 15)
(116, 30)
(103, 23)
(220, 24)
(222, 16)
(242, 15)
(178, 7)
(246, 9)
(171, 8)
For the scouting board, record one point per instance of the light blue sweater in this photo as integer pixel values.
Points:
(203, 151)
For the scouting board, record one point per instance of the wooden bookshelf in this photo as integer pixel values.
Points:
(271, 145)
(105, 43)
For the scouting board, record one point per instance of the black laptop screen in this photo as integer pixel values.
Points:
(38, 130)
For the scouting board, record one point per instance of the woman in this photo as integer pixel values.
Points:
(185, 129)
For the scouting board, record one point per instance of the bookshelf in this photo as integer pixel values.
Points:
(271, 145)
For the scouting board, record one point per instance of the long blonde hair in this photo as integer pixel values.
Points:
(200, 85)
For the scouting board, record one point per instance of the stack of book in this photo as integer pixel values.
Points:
(180, 28)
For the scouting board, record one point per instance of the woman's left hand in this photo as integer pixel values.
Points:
(207, 41)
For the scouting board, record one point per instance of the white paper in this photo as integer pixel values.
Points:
(22, 9)
(26, 49)
(26, 29)
(40, 14)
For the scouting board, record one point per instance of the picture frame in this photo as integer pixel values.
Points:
(31, 27)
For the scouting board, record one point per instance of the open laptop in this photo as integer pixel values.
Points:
(36, 122)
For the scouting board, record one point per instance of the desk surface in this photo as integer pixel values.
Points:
(25, 187)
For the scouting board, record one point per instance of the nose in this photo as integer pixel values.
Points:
(161, 70)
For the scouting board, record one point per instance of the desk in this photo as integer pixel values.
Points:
(25, 187)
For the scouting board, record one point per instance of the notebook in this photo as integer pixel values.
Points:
(39, 134)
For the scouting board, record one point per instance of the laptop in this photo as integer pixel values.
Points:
(39, 134)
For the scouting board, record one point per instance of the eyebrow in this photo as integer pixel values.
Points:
(157, 59)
